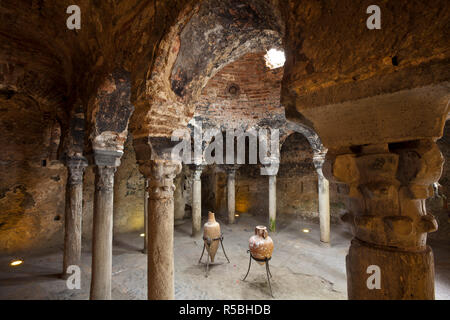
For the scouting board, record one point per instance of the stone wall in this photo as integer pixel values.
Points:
(32, 182)
(129, 193)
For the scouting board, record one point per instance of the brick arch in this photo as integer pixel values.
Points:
(312, 137)
(164, 99)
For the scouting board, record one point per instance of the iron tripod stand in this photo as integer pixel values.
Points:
(266, 260)
(208, 243)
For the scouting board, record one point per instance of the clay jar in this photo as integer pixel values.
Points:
(211, 230)
(260, 244)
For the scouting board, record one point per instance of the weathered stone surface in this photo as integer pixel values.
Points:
(380, 85)
(73, 213)
(395, 117)
(404, 275)
(32, 185)
(388, 188)
(180, 197)
(102, 233)
(197, 200)
(111, 112)
(161, 174)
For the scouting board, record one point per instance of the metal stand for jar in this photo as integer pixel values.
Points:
(266, 260)
(209, 242)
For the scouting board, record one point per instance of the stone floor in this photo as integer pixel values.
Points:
(301, 266)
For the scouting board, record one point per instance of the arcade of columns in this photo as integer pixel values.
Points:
(158, 212)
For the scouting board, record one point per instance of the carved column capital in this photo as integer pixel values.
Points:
(76, 167)
(270, 170)
(197, 171)
(107, 162)
(388, 188)
(160, 174)
(105, 178)
(319, 159)
(231, 169)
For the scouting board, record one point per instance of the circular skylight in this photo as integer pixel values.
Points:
(275, 58)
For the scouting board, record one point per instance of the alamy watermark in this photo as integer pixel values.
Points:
(74, 280)
(374, 281)
(374, 20)
(208, 147)
(74, 20)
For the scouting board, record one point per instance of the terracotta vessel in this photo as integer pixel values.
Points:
(211, 230)
(260, 244)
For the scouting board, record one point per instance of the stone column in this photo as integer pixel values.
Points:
(161, 174)
(231, 197)
(272, 202)
(145, 216)
(74, 213)
(178, 198)
(388, 256)
(107, 162)
(197, 200)
(324, 198)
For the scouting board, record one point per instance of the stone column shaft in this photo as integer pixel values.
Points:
(161, 174)
(197, 201)
(231, 197)
(178, 198)
(324, 198)
(324, 208)
(272, 202)
(102, 236)
(145, 216)
(73, 214)
(107, 162)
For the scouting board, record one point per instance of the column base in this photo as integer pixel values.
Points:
(403, 275)
(324, 244)
(196, 234)
(178, 222)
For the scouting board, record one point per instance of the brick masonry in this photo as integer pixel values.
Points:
(242, 94)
